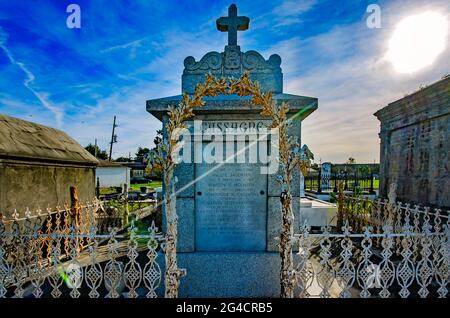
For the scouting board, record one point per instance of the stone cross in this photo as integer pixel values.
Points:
(232, 24)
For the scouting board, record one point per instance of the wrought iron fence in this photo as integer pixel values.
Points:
(382, 250)
(361, 212)
(317, 182)
(119, 209)
(61, 254)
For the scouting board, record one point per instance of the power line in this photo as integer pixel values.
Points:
(113, 138)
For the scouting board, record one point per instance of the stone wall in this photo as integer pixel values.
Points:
(40, 185)
(415, 143)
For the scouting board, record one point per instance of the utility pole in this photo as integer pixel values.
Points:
(95, 148)
(113, 138)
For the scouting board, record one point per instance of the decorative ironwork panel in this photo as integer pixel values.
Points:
(62, 252)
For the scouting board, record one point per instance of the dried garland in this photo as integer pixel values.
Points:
(290, 159)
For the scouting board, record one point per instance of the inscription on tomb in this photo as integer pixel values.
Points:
(235, 126)
(230, 207)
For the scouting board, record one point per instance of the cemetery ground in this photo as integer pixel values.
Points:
(133, 187)
(151, 185)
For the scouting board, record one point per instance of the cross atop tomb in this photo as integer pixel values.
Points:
(232, 24)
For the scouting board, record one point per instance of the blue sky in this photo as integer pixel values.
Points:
(129, 51)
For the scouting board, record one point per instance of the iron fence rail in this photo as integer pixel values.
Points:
(379, 249)
(358, 265)
(56, 255)
(318, 183)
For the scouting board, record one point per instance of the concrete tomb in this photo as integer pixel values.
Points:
(229, 210)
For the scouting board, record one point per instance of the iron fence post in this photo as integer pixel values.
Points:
(335, 182)
(97, 189)
(319, 186)
(345, 181)
(371, 181)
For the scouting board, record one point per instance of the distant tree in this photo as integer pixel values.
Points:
(364, 170)
(141, 154)
(123, 159)
(101, 154)
(154, 169)
(158, 138)
(351, 161)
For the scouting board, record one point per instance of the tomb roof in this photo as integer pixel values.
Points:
(25, 140)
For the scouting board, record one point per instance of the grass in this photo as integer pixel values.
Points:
(104, 191)
(133, 187)
(376, 183)
(153, 184)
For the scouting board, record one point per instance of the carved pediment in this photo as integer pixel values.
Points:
(211, 61)
(232, 59)
(233, 62)
(253, 61)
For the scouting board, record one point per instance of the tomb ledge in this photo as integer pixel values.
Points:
(234, 104)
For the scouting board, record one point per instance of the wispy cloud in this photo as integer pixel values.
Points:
(292, 8)
(126, 54)
(284, 14)
(346, 69)
(132, 46)
(42, 97)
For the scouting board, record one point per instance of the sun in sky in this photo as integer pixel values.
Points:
(417, 41)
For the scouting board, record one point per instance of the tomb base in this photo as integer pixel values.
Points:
(227, 274)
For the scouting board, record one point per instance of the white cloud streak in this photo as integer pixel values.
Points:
(344, 67)
(42, 97)
(347, 70)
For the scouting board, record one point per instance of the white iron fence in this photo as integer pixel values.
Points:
(61, 253)
(378, 250)
(381, 250)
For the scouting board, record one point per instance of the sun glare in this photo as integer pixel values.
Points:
(417, 41)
